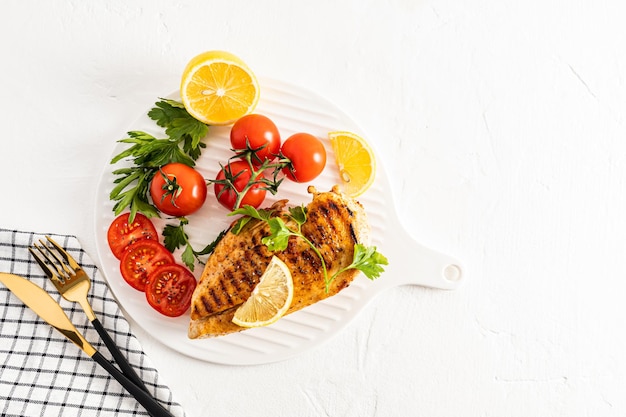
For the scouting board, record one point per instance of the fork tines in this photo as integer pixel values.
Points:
(56, 263)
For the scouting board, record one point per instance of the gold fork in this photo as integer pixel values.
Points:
(74, 284)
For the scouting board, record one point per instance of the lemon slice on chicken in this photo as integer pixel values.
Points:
(270, 299)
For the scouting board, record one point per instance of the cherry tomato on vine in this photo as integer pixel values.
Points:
(178, 189)
(169, 289)
(238, 175)
(257, 133)
(121, 233)
(307, 155)
(141, 259)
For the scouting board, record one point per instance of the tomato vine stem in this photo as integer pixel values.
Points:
(257, 176)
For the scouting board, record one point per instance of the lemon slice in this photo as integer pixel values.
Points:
(356, 162)
(218, 88)
(270, 299)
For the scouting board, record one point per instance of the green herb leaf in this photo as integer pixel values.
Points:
(166, 110)
(189, 257)
(368, 260)
(246, 210)
(178, 123)
(131, 191)
(248, 213)
(240, 224)
(175, 237)
(148, 153)
(298, 214)
(211, 246)
(279, 235)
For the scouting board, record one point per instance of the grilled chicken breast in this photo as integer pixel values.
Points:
(335, 223)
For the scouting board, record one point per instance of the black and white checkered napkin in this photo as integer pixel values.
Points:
(41, 372)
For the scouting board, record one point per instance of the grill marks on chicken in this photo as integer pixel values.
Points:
(232, 271)
(335, 223)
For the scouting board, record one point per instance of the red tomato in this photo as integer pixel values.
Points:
(178, 189)
(258, 133)
(240, 174)
(121, 234)
(141, 259)
(169, 289)
(307, 155)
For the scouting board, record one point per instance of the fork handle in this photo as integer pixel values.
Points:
(118, 356)
(151, 405)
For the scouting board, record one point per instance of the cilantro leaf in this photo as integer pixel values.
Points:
(240, 224)
(298, 214)
(368, 260)
(249, 213)
(279, 235)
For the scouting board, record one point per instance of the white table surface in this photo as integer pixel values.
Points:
(501, 123)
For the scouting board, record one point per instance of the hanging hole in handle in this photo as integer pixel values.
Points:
(452, 273)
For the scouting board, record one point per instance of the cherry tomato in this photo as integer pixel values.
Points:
(240, 174)
(178, 189)
(169, 289)
(258, 133)
(121, 234)
(141, 259)
(307, 155)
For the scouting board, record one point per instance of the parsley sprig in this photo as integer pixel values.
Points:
(366, 258)
(176, 237)
(183, 144)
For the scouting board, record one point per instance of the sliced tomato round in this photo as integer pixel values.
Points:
(121, 233)
(141, 259)
(169, 289)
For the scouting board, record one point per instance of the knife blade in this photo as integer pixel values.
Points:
(38, 300)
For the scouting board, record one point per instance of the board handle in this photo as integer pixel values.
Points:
(411, 263)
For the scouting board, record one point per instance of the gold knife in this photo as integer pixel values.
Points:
(38, 300)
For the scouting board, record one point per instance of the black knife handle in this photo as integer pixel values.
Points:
(146, 400)
(120, 359)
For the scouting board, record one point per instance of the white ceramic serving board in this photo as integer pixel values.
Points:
(293, 109)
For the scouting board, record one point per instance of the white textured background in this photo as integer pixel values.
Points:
(501, 124)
